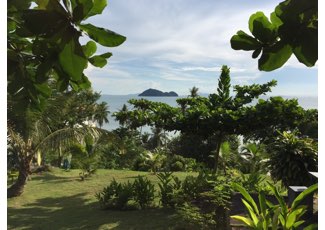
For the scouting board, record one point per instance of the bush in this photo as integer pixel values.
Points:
(144, 191)
(193, 218)
(170, 190)
(177, 166)
(291, 158)
(116, 195)
(265, 215)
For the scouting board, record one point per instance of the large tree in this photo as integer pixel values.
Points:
(222, 114)
(44, 50)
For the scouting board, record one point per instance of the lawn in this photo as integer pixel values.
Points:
(59, 200)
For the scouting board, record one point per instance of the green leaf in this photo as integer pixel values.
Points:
(242, 41)
(106, 55)
(298, 223)
(274, 57)
(103, 36)
(311, 227)
(306, 47)
(280, 199)
(245, 220)
(262, 28)
(99, 6)
(246, 196)
(262, 202)
(71, 60)
(275, 219)
(98, 61)
(44, 89)
(251, 212)
(89, 49)
(257, 52)
(303, 195)
(276, 21)
(82, 9)
(43, 21)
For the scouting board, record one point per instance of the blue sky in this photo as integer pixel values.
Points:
(173, 45)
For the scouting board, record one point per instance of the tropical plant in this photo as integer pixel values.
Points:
(194, 91)
(293, 29)
(265, 215)
(40, 139)
(291, 158)
(170, 189)
(193, 218)
(253, 157)
(221, 115)
(116, 195)
(44, 44)
(101, 113)
(144, 191)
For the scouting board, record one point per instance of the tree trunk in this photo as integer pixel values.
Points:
(60, 157)
(24, 170)
(216, 155)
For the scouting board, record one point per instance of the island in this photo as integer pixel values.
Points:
(157, 93)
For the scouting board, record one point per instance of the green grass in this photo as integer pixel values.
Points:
(59, 200)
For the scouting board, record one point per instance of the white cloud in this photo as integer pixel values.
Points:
(169, 40)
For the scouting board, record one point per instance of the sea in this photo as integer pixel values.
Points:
(115, 103)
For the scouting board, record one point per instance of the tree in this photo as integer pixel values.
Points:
(72, 109)
(101, 113)
(39, 139)
(221, 115)
(44, 50)
(292, 29)
(194, 91)
(43, 43)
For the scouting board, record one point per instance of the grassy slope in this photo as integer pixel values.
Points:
(58, 200)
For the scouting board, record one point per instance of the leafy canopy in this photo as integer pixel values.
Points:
(43, 43)
(291, 29)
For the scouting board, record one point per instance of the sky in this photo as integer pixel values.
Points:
(173, 45)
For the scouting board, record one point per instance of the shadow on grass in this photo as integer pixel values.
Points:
(72, 212)
(50, 178)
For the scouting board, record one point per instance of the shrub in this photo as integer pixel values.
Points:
(144, 191)
(193, 218)
(116, 195)
(170, 189)
(291, 158)
(177, 166)
(266, 215)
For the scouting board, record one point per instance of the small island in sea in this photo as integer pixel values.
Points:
(157, 93)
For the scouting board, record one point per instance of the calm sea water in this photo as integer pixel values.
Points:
(116, 102)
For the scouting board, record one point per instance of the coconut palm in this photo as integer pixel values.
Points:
(40, 139)
(33, 131)
(101, 113)
(194, 91)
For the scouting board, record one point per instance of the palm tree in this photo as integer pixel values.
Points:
(122, 116)
(32, 130)
(40, 139)
(101, 113)
(194, 91)
(253, 156)
(158, 138)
